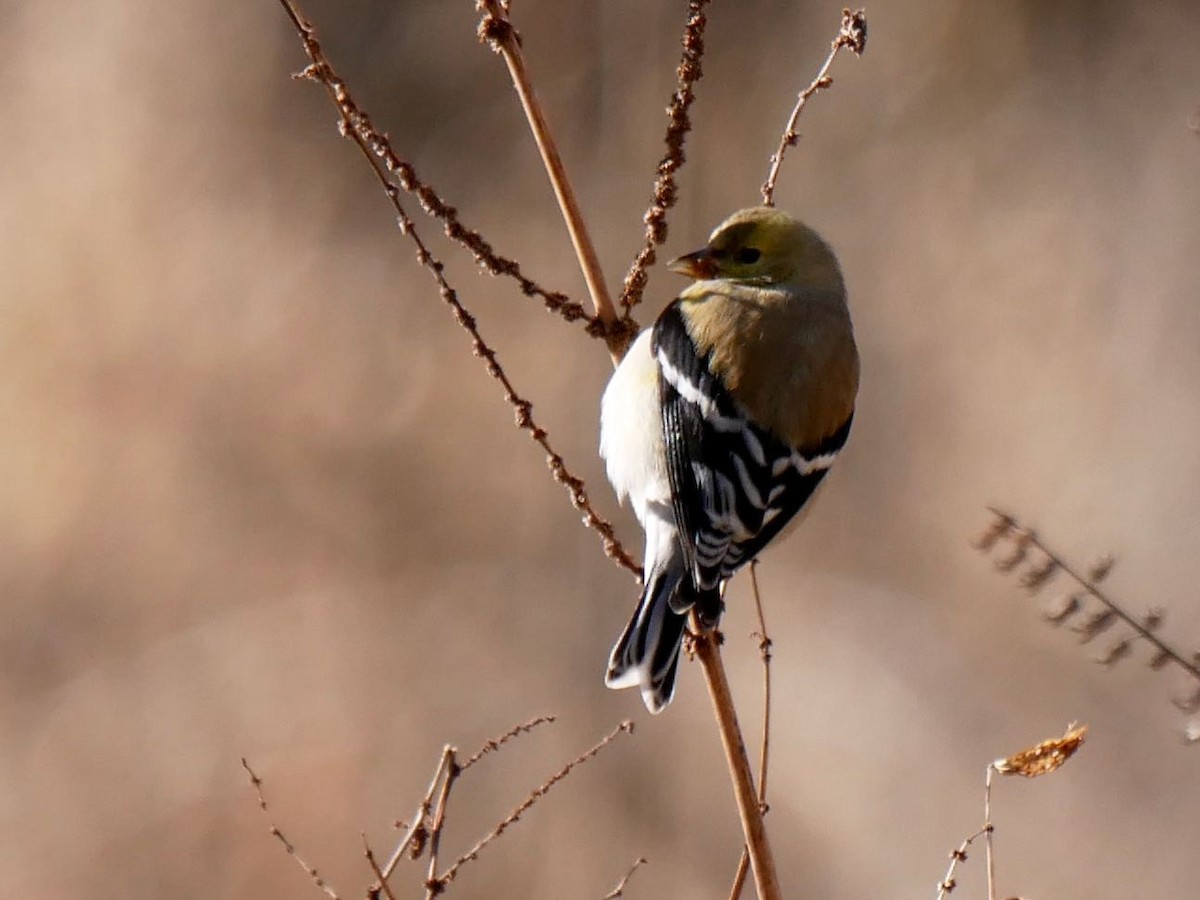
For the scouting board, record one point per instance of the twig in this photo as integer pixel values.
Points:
(764, 652)
(852, 34)
(320, 72)
(707, 649)
(619, 890)
(381, 883)
(498, 32)
(678, 126)
(417, 833)
(989, 829)
(1024, 541)
(536, 794)
(405, 175)
(433, 885)
(1089, 584)
(958, 855)
(1033, 762)
(494, 744)
(311, 871)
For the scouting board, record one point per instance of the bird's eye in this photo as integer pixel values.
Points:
(747, 256)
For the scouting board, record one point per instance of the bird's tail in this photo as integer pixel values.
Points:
(647, 653)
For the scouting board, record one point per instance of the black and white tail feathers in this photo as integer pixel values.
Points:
(646, 655)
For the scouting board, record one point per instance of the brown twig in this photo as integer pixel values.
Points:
(1033, 762)
(417, 835)
(764, 652)
(706, 645)
(352, 117)
(958, 855)
(1025, 541)
(498, 32)
(356, 119)
(851, 34)
(433, 885)
(381, 883)
(494, 744)
(619, 890)
(678, 126)
(311, 871)
(536, 794)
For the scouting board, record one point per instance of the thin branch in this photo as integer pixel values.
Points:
(958, 855)
(310, 871)
(852, 34)
(320, 72)
(381, 883)
(494, 744)
(707, 649)
(619, 890)
(1005, 527)
(989, 830)
(498, 32)
(417, 833)
(356, 119)
(536, 794)
(1032, 762)
(433, 885)
(678, 126)
(764, 652)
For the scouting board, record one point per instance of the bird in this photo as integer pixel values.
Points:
(721, 420)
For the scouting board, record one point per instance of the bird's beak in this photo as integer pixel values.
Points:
(695, 265)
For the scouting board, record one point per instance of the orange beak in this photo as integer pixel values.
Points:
(695, 265)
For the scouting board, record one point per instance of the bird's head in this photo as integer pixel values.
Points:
(762, 246)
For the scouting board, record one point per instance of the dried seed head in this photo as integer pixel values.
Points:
(1101, 567)
(1065, 607)
(853, 33)
(1045, 757)
(999, 527)
(1036, 576)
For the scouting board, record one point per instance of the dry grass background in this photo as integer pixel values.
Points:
(257, 500)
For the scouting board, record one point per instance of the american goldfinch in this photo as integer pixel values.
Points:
(721, 421)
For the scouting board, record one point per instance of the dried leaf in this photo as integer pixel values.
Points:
(1191, 732)
(1101, 567)
(1000, 527)
(1116, 652)
(1096, 624)
(1020, 549)
(1045, 757)
(1036, 576)
(1154, 618)
(1190, 703)
(1068, 605)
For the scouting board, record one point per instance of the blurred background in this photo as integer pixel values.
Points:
(257, 499)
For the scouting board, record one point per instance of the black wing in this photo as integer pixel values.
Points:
(734, 485)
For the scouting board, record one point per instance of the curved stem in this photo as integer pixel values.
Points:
(707, 647)
(498, 31)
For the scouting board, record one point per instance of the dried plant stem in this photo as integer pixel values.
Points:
(679, 123)
(498, 31)
(708, 651)
(619, 890)
(536, 794)
(1025, 538)
(988, 830)
(310, 871)
(380, 882)
(355, 126)
(958, 855)
(852, 34)
(418, 830)
(764, 652)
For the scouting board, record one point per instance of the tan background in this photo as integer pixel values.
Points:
(256, 498)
